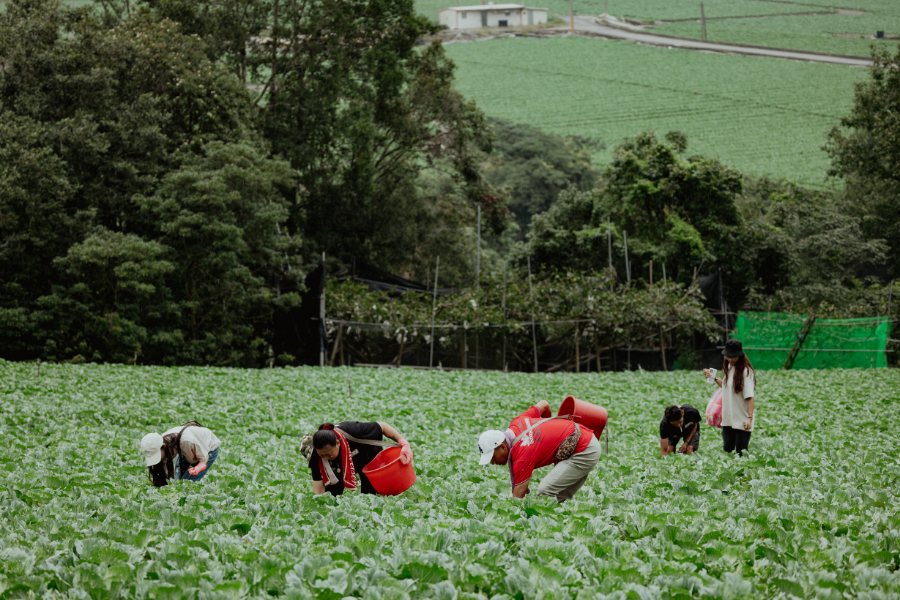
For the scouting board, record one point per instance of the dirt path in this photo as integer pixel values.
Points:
(595, 26)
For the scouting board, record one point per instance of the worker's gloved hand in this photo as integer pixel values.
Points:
(197, 469)
(406, 455)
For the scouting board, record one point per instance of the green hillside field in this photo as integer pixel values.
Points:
(811, 511)
(764, 116)
(830, 31)
(814, 25)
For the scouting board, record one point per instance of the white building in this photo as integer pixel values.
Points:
(491, 15)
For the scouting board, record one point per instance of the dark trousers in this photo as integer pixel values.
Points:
(735, 439)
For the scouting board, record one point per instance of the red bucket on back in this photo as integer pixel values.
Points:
(388, 475)
(590, 415)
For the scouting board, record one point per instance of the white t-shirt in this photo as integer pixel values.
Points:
(735, 408)
(196, 443)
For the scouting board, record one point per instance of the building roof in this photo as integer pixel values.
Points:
(479, 7)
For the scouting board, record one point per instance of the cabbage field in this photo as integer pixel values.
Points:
(810, 512)
(764, 116)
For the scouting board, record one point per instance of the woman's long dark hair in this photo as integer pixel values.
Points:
(325, 436)
(164, 470)
(740, 365)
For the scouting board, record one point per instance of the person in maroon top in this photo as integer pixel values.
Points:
(532, 442)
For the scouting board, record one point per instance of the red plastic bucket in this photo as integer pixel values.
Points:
(388, 476)
(590, 415)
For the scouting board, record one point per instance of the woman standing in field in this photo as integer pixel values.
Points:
(195, 447)
(339, 454)
(738, 383)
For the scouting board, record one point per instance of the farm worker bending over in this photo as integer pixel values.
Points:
(341, 453)
(532, 442)
(195, 447)
(679, 422)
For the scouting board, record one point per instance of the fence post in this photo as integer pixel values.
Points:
(505, 329)
(322, 317)
(702, 22)
(337, 343)
(723, 306)
(478, 253)
(437, 267)
(609, 244)
(577, 353)
(662, 348)
(533, 330)
(890, 298)
(627, 264)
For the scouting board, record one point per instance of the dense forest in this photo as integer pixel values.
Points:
(171, 171)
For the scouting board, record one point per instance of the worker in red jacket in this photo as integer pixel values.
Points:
(532, 442)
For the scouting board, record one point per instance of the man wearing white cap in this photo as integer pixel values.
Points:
(532, 442)
(195, 447)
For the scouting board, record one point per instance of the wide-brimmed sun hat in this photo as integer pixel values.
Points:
(733, 348)
(151, 444)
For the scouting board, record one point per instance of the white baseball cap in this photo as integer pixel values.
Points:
(489, 440)
(151, 444)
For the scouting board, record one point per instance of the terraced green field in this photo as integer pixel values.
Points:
(835, 32)
(810, 512)
(765, 116)
(814, 25)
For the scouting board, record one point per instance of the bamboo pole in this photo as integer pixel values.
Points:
(662, 348)
(627, 264)
(609, 250)
(463, 348)
(437, 267)
(478, 253)
(533, 327)
(322, 316)
(702, 22)
(337, 342)
(890, 299)
(505, 330)
(577, 352)
(724, 306)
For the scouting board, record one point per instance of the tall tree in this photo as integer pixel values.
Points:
(95, 113)
(537, 166)
(865, 152)
(677, 211)
(372, 125)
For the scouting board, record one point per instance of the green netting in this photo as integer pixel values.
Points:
(832, 343)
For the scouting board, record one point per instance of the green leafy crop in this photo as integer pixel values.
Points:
(810, 512)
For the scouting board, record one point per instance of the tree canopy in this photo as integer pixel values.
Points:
(865, 152)
(779, 246)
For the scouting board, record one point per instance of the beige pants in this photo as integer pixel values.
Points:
(568, 476)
